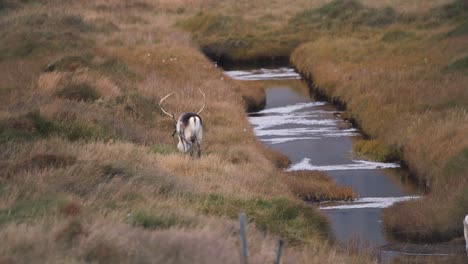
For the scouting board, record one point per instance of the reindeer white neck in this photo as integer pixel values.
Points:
(189, 128)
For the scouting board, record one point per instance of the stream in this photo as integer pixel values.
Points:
(315, 137)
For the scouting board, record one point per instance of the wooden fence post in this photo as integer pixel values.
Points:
(243, 234)
(279, 251)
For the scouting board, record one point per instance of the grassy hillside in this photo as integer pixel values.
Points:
(88, 169)
(401, 69)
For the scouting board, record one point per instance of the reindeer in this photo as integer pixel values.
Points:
(465, 231)
(189, 128)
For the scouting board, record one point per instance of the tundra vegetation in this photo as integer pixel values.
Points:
(399, 67)
(88, 169)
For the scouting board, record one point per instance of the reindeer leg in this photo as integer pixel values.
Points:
(198, 149)
(191, 149)
(192, 145)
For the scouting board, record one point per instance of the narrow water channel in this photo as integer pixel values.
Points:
(314, 137)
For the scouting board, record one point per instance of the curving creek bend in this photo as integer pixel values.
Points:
(314, 137)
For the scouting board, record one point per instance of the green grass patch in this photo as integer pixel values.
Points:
(79, 92)
(111, 171)
(43, 126)
(460, 30)
(28, 46)
(75, 131)
(290, 219)
(396, 35)
(51, 160)
(456, 9)
(36, 20)
(340, 8)
(42, 43)
(213, 23)
(461, 201)
(70, 63)
(28, 209)
(41, 34)
(75, 22)
(138, 5)
(135, 20)
(9, 135)
(29, 127)
(222, 37)
(163, 149)
(33, 126)
(68, 235)
(139, 107)
(376, 150)
(4, 188)
(67, 22)
(104, 26)
(149, 220)
(456, 66)
(340, 13)
(117, 68)
(458, 164)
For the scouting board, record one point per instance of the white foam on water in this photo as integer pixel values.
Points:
(264, 122)
(300, 131)
(290, 108)
(309, 125)
(285, 139)
(305, 164)
(352, 132)
(370, 202)
(283, 73)
(318, 133)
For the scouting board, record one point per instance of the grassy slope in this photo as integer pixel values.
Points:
(399, 66)
(88, 170)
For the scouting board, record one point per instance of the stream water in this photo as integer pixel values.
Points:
(314, 137)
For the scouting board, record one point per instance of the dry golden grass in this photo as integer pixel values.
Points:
(88, 169)
(316, 186)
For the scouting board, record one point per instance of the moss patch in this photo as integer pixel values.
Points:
(111, 171)
(339, 13)
(79, 92)
(396, 35)
(149, 220)
(291, 220)
(457, 164)
(27, 209)
(28, 127)
(376, 150)
(69, 63)
(116, 67)
(458, 65)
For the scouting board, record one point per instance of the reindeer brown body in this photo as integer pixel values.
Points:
(189, 128)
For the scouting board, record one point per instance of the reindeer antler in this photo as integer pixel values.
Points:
(204, 101)
(162, 108)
